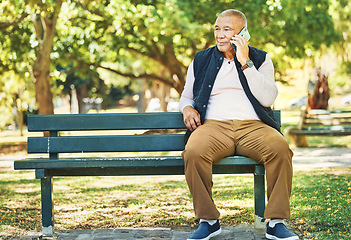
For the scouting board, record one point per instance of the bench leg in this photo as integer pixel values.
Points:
(47, 206)
(259, 189)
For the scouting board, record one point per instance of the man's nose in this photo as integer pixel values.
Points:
(221, 34)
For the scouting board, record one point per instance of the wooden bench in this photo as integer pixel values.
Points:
(319, 122)
(85, 136)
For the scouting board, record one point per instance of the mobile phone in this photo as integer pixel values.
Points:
(245, 33)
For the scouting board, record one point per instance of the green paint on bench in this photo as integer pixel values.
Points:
(168, 129)
(222, 167)
(110, 121)
(125, 143)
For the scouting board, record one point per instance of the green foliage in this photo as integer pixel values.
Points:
(157, 39)
(341, 11)
(15, 39)
(162, 34)
(16, 94)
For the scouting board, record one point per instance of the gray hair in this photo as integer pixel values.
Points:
(234, 13)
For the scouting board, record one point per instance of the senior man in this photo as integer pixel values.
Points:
(226, 107)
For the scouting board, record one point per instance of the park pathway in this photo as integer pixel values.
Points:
(237, 232)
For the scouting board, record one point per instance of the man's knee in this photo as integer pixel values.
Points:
(279, 150)
(282, 147)
(195, 153)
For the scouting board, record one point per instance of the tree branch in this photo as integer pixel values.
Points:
(94, 12)
(128, 75)
(4, 25)
(149, 55)
(38, 26)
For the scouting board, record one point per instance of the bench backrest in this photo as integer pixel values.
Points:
(320, 118)
(167, 132)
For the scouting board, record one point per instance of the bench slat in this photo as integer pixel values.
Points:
(313, 132)
(134, 171)
(110, 121)
(327, 123)
(124, 162)
(331, 128)
(118, 143)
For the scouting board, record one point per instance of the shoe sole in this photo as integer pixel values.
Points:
(209, 236)
(276, 238)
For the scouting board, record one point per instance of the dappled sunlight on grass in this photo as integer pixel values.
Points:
(101, 202)
(319, 204)
(123, 201)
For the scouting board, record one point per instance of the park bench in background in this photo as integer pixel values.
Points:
(319, 122)
(85, 135)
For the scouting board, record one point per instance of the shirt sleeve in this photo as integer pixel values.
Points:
(262, 82)
(186, 98)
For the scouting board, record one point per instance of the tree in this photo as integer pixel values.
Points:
(84, 81)
(166, 34)
(155, 39)
(44, 22)
(43, 18)
(16, 86)
(128, 39)
(15, 98)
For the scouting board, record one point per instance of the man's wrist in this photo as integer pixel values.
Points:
(186, 106)
(247, 64)
(244, 61)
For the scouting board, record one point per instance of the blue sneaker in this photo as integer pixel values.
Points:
(280, 232)
(205, 231)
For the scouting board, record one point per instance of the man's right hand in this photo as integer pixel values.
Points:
(191, 118)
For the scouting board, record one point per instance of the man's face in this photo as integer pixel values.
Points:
(225, 28)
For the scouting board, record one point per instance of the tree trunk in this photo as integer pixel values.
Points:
(141, 104)
(45, 29)
(176, 68)
(43, 93)
(164, 96)
(82, 92)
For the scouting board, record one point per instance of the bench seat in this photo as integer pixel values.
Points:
(168, 165)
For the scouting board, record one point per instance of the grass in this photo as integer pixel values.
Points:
(319, 204)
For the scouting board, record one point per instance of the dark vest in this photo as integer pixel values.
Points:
(206, 67)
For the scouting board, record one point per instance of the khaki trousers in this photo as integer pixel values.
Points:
(214, 140)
